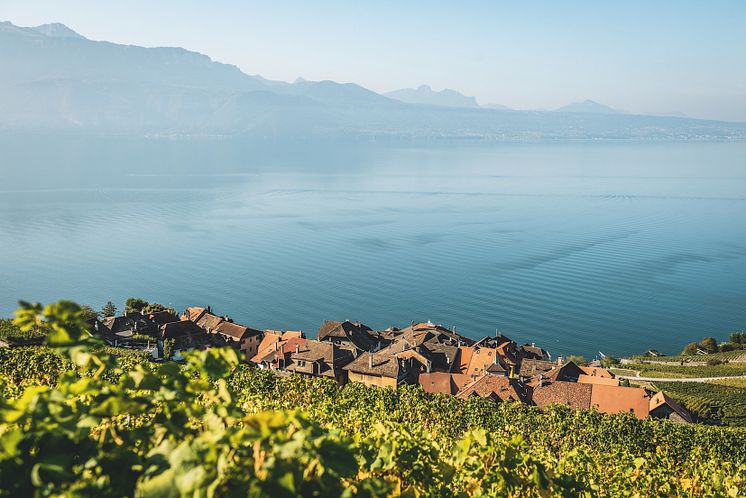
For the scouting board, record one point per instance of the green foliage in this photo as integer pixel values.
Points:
(153, 308)
(709, 344)
(134, 304)
(12, 334)
(577, 359)
(609, 361)
(108, 310)
(710, 403)
(118, 425)
(690, 349)
(738, 338)
(682, 371)
(88, 313)
(168, 348)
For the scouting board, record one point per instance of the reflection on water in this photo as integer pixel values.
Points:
(580, 247)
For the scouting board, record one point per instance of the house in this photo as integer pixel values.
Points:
(278, 355)
(186, 335)
(117, 329)
(380, 370)
(618, 399)
(495, 388)
(530, 367)
(272, 341)
(550, 392)
(322, 359)
(533, 352)
(664, 407)
(241, 337)
(351, 335)
(442, 382)
(224, 331)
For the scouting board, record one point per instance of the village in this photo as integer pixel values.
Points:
(425, 354)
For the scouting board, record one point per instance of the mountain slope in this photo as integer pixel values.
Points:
(589, 107)
(425, 95)
(56, 80)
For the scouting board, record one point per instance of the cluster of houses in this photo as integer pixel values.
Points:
(430, 355)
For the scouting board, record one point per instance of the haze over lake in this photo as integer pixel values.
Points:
(580, 247)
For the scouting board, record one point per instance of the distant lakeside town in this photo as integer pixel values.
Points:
(426, 354)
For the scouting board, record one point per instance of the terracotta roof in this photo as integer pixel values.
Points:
(572, 394)
(358, 334)
(464, 358)
(481, 358)
(530, 367)
(597, 372)
(494, 387)
(319, 351)
(660, 398)
(235, 330)
(590, 379)
(174, 330)
(384, 365)
(209, 321)
(442, 382)
(162, 317)
(532, 351)
(193, 313)
(616, 399)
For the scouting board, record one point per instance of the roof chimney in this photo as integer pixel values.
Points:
(370, 360)
(541, 380)
(297, 348)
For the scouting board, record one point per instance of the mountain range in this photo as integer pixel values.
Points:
(55, 80)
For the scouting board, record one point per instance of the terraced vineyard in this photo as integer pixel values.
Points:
(118, 425)
(710, 402)
(683, 371)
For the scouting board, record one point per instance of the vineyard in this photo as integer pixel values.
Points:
(683, 371)
(91, 421)
(710, 403)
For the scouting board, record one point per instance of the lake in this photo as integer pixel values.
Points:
(579, 247)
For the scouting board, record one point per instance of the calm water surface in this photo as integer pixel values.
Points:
(579, 247)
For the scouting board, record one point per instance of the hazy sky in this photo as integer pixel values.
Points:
(640, 56)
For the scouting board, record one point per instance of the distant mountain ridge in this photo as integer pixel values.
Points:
(55, 80)
(425, 95)
(590, 107)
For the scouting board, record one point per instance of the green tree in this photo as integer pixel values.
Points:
(609, 361)
(690, 349)
(134, 304)
(709, 344)
(153, 308)
(738, 338)
(577, 359)
(88, 313)
(168, 348)
(109, 309)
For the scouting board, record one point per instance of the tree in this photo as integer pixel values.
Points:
(153, 308)
(134, 304)
(88, 313)
(168, 348)
(709, 344)
(577, 359)
(728, 346)
(690, 349)
(109, 309)
(738, 338)
(609, 361)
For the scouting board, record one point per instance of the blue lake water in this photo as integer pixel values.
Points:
(579, 247)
